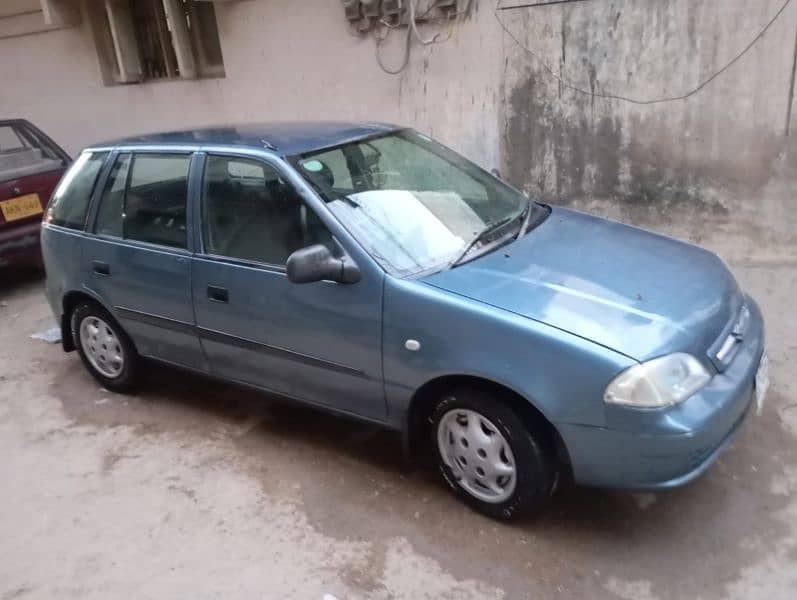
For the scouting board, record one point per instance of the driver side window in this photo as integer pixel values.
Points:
(250, 212)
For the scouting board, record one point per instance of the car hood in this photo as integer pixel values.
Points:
(636, 292)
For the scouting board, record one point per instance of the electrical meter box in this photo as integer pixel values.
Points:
(397, 11)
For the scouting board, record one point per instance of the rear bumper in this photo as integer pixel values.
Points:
(20, 243)
(661, 449)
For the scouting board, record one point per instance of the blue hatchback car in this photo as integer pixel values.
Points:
(371, 271)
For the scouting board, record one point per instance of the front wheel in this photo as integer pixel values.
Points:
(493, 460)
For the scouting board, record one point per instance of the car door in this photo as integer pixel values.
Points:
(137, 257)
(318, 342)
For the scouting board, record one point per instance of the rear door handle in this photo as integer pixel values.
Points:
(218, 294)
(101, 268)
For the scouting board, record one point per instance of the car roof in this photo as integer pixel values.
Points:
(286, 138)
(16, 122)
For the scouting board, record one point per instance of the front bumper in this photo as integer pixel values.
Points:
(664, 448)
(20, 243)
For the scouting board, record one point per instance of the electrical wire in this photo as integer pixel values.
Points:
(414, 25)
(541, 3)
(412, 31)
(558, 76)
(407, 52)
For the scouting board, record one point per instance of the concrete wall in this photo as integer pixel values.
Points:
(716, 168)
(284, 60)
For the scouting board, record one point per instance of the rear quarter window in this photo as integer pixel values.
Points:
(71, 198)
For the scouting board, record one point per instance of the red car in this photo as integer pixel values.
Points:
(31, 165)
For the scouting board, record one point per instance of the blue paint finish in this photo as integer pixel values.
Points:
(631, 290)
(661, 448)
(461, 336)
(61, 249)
(152, 281)
(315, 341)
(284, 138)
(287, 338)
(553, 316)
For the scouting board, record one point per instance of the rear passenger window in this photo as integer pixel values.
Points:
(70, 200)
(145, 199)
(249, 212)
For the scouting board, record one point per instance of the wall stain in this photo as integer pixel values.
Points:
(567, 154)
(711, 156)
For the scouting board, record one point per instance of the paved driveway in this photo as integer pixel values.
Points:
(194, 489)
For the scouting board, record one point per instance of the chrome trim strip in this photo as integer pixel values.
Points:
(723, 350)
(727, 347)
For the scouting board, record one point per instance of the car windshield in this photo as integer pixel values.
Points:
(415, 205)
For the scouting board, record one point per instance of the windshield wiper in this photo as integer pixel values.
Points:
(349, 199)
(487, 230)
(526, 220)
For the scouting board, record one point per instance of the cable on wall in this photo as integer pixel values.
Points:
(412, 32)
(558, 76)
(542, 3)
(406, 56)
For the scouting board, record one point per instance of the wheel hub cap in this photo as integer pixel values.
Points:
(478, 455)
(102, 347)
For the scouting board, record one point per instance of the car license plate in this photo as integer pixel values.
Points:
(761, 383)
(21, 207)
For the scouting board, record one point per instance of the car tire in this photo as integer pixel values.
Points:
(104, 347)
(497, 463)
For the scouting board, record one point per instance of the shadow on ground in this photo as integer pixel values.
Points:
(16, 281)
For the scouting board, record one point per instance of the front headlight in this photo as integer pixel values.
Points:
(659, 382)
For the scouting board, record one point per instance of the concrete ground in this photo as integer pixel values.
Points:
(193, 489)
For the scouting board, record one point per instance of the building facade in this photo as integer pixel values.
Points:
(675, 114)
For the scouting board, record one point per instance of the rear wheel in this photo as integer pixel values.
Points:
(493, 460)
(104, 347)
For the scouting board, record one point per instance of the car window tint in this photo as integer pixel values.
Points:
(390, 163)
(145, 199)
(332, 172)
(155, 200)
(71, 198)
(422, 170)
(109, 215)
(250, 212)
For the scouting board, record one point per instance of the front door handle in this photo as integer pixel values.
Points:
(101, 268)
(218, 294)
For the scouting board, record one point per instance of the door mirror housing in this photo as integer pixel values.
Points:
(316, 263)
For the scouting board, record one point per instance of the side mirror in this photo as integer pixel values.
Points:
(316, 263)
